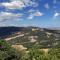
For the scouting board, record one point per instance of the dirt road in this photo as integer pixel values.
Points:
(7, 39)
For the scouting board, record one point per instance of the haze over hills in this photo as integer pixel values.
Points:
(6, 31)
(53, 28)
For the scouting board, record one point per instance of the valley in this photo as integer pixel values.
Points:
(30, 43)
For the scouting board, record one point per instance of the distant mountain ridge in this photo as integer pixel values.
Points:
(6, 31)
(54, 28)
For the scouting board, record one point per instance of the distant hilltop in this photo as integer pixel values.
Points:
(7, 31)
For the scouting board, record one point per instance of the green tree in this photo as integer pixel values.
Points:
(7, 52)
(54, 53)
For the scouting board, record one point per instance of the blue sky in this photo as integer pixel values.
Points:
(41, 13)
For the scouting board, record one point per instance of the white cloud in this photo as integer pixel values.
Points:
(34, 4)
(31, 10)
(46, 6)
(35, 14)
(9, 16)
(56, 14)
(13, 5)
(38, 13)
(19, 4)
(28, 2)
(30, 16)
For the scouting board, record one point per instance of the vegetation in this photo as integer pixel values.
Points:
(35, 50)
(43, 40)
(9, 53)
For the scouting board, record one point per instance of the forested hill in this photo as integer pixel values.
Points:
(7, 31)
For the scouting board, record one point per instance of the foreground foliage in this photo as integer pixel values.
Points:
(36, 54)
(9, 53)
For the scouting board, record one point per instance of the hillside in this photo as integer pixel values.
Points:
(31, 36)
(29, 43)
(7, 31)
